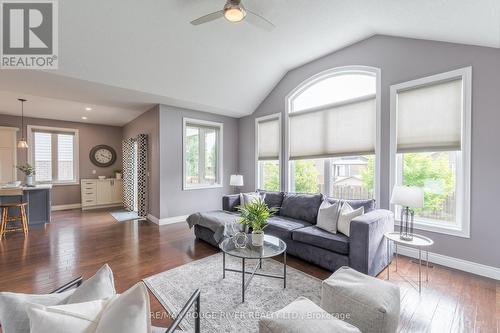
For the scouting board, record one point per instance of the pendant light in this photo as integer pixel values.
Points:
(22, 143)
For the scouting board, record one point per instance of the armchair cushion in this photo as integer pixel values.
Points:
(75, 318)
(13, 315)
(125, 313)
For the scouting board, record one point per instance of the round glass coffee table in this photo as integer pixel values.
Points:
(273, 246)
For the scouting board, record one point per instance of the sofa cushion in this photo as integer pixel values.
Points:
(301, 206)
(272, 199)
(368, 204)
(318, 237)
(282, 227)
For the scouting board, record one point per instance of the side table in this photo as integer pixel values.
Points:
(421, 243)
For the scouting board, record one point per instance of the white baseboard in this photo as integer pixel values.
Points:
(66, 207)
(167, 220)
(460, 264)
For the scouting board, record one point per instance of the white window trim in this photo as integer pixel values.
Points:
(462, 227)
(257, 174)
(76, 152)
(378, 131)
(185, 121)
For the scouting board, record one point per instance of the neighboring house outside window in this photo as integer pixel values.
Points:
(202, 141)
(333, 134)
(430, 148)
(54, 154)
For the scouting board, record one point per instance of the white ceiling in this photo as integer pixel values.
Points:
(49, 108)
(149, 48)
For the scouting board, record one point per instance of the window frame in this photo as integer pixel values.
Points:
(76, 153)
(461, 228)
(304, 85)
(203, 123)
(280, 158)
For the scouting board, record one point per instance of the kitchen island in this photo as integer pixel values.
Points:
(37, 197)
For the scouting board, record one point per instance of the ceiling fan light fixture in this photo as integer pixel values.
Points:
(234, 11)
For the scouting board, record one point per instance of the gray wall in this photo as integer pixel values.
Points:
(90, 135)
(148, 123)
(402, 59)
(175, 201)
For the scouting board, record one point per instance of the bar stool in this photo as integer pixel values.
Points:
(6, 218)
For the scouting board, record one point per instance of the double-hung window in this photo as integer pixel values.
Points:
(332, 134)
(54, 154)
(430, 147)
(202, 141)
(268, 143)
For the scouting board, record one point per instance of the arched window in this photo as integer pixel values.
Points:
(332, 134)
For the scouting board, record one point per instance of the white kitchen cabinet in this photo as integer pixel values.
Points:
(8, 172)
(100, 193)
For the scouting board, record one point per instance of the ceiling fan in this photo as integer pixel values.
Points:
(234, 12)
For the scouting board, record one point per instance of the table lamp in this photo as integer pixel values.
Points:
(406, 197)
(236, 181)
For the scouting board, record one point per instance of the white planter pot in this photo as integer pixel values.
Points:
(29, 180)
(257, 238)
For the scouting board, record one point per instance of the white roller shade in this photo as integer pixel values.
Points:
(339, 130)
(429, 117)
(269, 139)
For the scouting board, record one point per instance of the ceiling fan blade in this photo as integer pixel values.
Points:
(208, 18)
(259, 21)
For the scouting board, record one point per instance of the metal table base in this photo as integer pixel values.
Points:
(419, 265)
(245, 282)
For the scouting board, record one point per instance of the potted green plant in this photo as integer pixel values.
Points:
(118, 173)
(29, 171)
(254, 215)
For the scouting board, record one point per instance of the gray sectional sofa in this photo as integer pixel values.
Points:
(295, 222)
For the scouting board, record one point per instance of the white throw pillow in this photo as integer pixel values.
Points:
(74, 318)
(328, 215)
(347, 214)
(13, 316)
(246, 198)
(100, 285)
(127, 313)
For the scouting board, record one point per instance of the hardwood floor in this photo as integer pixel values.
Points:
(78, 243)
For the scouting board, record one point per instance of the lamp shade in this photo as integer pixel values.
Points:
(236, 180)
(408, 196)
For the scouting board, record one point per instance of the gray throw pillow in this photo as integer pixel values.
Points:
(328, 216)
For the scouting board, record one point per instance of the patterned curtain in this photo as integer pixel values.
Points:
(142, 175)
(128, 173)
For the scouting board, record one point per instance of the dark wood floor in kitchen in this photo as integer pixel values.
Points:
(78, 243)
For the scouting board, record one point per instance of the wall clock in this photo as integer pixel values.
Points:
(102, 156)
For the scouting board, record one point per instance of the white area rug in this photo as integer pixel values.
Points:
(221, 307)
(124, 215)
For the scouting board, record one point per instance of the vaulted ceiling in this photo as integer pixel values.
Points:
(149, 48)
